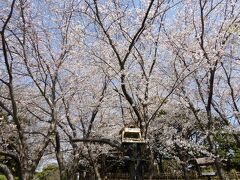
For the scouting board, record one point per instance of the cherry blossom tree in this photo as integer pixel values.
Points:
(31, 81)
(204, 39)
(10, 103)
(73, 73)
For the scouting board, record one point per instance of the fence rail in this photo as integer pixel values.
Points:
(166, 176)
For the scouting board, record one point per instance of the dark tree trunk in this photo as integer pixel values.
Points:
(132, 170)
(27, 175)
(160, 163)
(185, 172)
(151, 165)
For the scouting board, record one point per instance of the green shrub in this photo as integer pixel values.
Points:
(2, 177)
(48, 173)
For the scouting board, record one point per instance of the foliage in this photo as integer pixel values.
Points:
(2, 177)
(50, 172)
(228, 150)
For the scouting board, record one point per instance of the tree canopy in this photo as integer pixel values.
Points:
(73, 73)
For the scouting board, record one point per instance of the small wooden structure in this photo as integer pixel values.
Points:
(134, 144)
(131, 135)
(204, 166)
